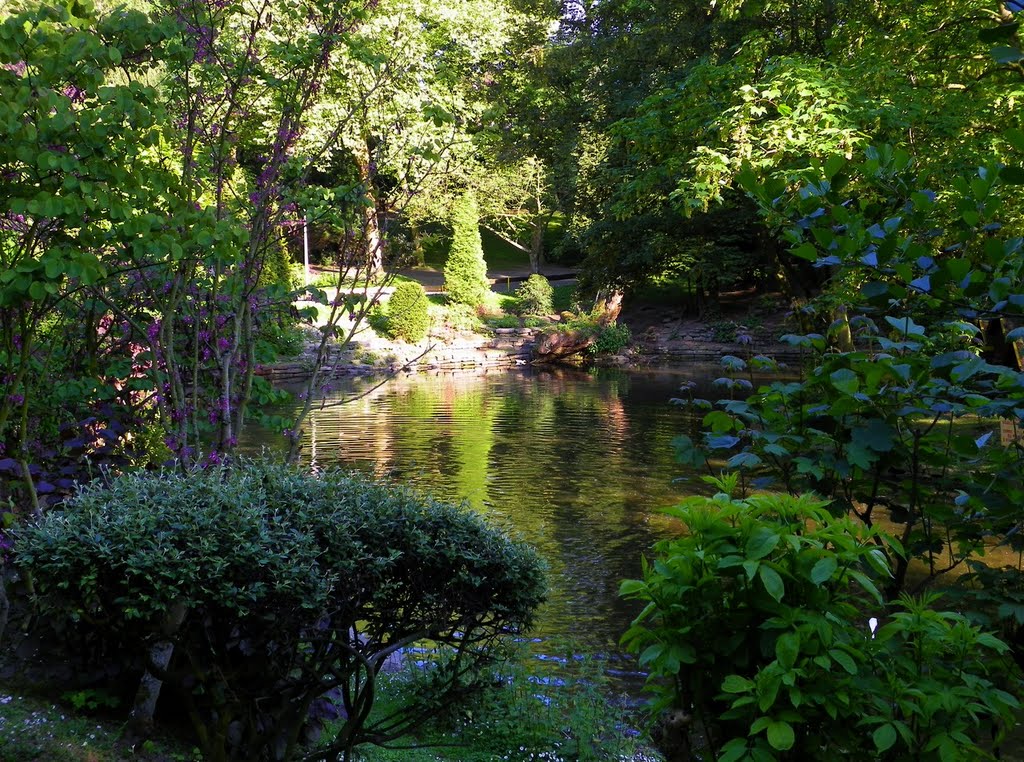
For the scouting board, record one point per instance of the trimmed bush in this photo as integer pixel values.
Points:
(407, 312)
(465, 271)
(535, 296)
(296, 590)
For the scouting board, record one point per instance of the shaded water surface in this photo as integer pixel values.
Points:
(577, 463)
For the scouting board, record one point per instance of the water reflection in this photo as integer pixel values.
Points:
(575, 462)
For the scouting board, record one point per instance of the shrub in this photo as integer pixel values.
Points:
(465, 271)
(462, 317)
(755, 627)
(610, 339)
(407, 312)
(296, 590)
(534, 296)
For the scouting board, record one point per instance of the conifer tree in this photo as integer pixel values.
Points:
(465, 272)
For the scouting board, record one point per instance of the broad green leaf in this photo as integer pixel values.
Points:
(844, 660)
(736, 684)
(772, 582)
(762, 542)
(884, 737)
(845, 380)
(787, 649)
(823, 570)
(780, 735)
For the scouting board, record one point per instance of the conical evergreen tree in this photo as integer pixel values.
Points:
(465, 272)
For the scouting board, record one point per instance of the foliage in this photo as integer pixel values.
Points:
(610, 339)
(535, 296)
(756, 623)
(465, 271)
(295, 590)
(407, 317)
(461, 318)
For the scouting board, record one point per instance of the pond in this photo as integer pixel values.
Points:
(575, 462)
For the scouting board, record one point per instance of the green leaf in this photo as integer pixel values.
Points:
(781, 736)
(884, 737)
(736, 684)
(845, 380)
(787, 649)
(651, 653)
(833, 164)
(631, 587)
(761, 543)
(905, 326)
(1015, 137)
(844, 660)
(823, 570)
(772, 582)
(806, 251)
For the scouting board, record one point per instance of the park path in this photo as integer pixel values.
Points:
(502, 279)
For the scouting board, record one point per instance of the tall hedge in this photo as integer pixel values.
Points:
(296, 591)
(465, 271)
(407, 312)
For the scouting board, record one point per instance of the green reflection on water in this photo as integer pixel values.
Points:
(577, 463)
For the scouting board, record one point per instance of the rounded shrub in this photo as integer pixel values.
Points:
(292, 592)
(465, 271)
(535, 296)
(408, 318)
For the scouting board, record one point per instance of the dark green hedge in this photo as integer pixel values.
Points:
(293, 585)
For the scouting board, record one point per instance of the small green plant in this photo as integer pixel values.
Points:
(407, 315)
(755, 628)
(91, 699)
(462, 317)
(504, 321)
(610, 339)
(535, 296)
(723, 331)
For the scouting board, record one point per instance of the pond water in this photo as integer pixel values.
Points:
(575, 462)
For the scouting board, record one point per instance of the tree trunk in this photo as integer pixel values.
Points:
(140, 720)
(843, 335)
(374, 244)
(417, 244)
(608, 309)
(537, 243)
(5, 605)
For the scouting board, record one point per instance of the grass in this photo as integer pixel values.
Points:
(557, 709)
(563, 297)
(499, 254)
(530, 711)
(33, 730)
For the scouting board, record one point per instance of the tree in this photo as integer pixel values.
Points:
(465, 271)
